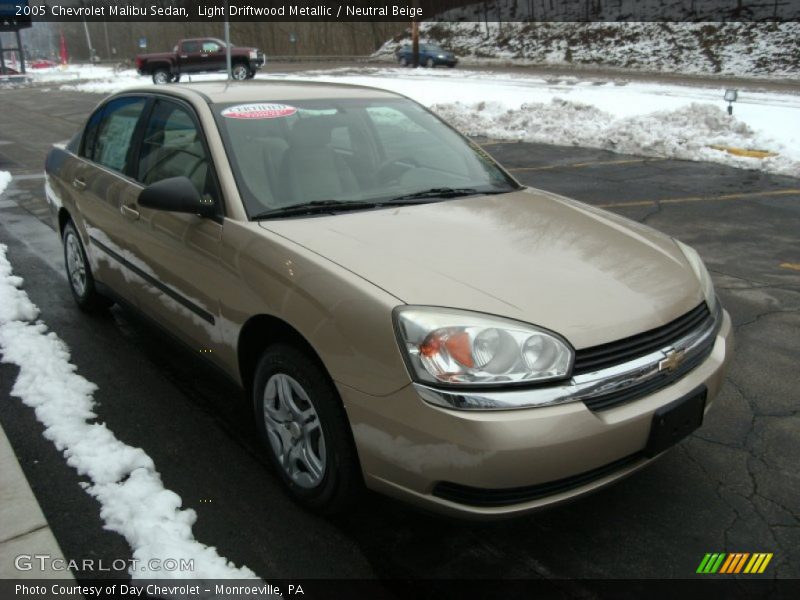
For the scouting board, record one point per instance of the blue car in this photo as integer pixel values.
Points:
(430, 55)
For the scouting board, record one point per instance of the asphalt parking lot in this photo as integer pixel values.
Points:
(732, 486)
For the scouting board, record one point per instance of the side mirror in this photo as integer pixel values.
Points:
(176, 194)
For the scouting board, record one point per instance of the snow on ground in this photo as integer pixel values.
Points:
(648, 119)
(123, 479)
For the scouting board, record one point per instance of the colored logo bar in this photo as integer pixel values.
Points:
(734, 562)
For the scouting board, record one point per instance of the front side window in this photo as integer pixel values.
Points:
(211, 47)
(110, 144)
(347, 150)
(172, 147)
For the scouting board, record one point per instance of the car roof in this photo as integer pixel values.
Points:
(267, 91)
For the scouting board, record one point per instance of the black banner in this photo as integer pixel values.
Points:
(700, 588)
(400, 10)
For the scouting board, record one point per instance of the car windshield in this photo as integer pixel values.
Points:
(337, 151)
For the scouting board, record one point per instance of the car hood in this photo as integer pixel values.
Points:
(588, 274)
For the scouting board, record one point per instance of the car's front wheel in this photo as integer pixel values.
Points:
(304, 428)
(430, 63)
(79, 274)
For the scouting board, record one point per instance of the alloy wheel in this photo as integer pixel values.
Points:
(76, 268)
(294, 431)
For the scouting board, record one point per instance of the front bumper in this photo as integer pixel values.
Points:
(408, 447)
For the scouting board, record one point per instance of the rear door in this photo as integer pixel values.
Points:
(105, 192)
(181, 251)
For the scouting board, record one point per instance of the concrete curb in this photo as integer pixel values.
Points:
(23, 527)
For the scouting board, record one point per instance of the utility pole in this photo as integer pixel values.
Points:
(88, 37)
(415, 38)
(227, 43)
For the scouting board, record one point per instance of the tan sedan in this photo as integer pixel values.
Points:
(404, 313)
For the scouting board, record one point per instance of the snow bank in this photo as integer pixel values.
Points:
(124, 480)
(684, 133)
(5, 179)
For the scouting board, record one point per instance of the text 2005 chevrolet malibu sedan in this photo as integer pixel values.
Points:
(405, 314)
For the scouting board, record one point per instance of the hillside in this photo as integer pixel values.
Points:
(737, 49)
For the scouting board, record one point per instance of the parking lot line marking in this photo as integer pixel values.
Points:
(587, 164)
(739, 196)
(792, 266)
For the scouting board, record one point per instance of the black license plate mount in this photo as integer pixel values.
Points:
(675, 421)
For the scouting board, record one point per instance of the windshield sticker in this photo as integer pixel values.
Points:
(258, 111)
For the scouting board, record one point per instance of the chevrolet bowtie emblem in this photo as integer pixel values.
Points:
(672, 361)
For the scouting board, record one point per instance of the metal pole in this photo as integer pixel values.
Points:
(88, 39)
(108, 44)
(2, 57)
(227, 43)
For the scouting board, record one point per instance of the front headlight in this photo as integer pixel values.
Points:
(253, 54)
(450, 346)
(701, 273)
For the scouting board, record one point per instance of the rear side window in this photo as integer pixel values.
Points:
(111, 146)
(190, 47)
(172, 147)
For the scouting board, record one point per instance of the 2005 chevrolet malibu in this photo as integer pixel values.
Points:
(405, 314)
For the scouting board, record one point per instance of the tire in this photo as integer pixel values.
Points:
(251, 75)
(403, 62)
(79, 273)
(430, 63)
(161, 76)
(240, 72)
(317, 462)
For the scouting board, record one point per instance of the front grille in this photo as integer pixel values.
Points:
(621, 351)
(472, 496)
(651, 386)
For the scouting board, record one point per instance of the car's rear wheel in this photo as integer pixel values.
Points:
(240, 72)
(430, 63)
(161, 76)
(304, 428)
(79, 274)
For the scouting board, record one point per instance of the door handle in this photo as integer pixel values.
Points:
(79, 184)
(129, 212)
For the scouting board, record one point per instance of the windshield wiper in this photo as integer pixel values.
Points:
(312, 208)
(318, 207)
(448, 192)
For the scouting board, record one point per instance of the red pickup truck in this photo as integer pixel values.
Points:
(199, 55)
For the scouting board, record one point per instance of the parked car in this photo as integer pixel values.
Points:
(430, 55)
(403, 313)
(42, 63)
(199, 55)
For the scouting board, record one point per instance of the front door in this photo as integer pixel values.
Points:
(181, 251)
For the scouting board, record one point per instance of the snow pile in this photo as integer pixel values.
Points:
(5, 179)
(683, 133)
(738, 49)
(133, 500)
